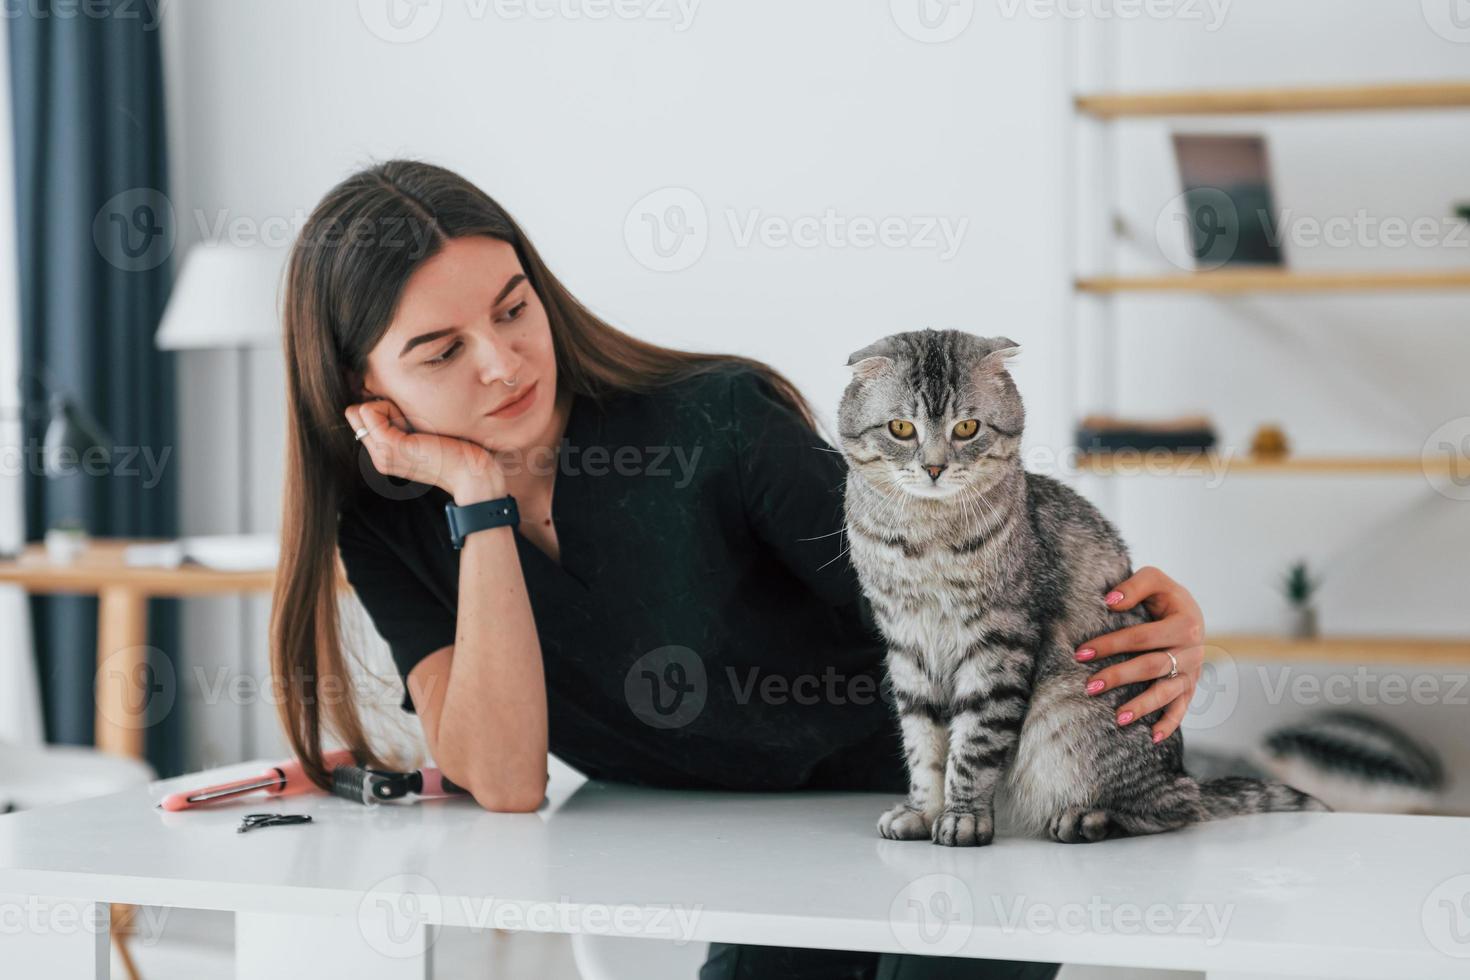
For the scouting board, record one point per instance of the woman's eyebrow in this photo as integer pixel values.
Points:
(432, 335)
(424, 338)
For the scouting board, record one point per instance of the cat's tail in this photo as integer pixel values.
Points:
(1231, 796)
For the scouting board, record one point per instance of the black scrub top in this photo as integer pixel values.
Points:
(704, 627)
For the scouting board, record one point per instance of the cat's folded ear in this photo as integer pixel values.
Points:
(872, 360)
(1000, 349)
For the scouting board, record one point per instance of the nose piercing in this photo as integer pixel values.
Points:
(511, 383)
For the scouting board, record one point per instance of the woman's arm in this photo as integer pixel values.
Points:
(1179, 628)
(482, 700)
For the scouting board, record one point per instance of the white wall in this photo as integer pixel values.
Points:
(790, 109)
(769, 107)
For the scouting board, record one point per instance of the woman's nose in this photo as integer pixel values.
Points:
(497, 363)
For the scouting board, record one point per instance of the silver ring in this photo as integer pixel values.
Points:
(1173, 664)
(512, 382)
(358, 434)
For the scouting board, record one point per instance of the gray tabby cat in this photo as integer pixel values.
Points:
(984, 579)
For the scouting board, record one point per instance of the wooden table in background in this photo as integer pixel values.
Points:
(122, 593)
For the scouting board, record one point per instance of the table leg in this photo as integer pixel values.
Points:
(56, 938)
(269, 946)
(122, 673)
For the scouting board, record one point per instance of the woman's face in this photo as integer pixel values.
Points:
(467, 322)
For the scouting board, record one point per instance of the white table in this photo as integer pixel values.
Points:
(360, 891)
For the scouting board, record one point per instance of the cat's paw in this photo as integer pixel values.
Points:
(1080, 825)
(904, 822)
(964, 828)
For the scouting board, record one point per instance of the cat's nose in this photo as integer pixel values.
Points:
(934, 471)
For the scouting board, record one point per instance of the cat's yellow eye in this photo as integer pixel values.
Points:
(901, 429)
(966, 429)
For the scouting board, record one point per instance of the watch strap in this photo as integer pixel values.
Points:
(469, 518)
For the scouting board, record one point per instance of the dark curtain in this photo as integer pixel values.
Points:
(95, 236)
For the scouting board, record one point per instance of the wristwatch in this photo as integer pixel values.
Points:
(479, 516)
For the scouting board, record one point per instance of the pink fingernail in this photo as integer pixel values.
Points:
(1094, 687)
(1125, 717)
(1113, 597)
(1086, 653)
(1158, 737)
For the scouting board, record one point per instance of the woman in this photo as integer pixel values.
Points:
(688, 618)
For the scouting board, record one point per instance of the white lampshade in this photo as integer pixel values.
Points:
(225, 296)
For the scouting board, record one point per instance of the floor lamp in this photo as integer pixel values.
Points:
(227, 298)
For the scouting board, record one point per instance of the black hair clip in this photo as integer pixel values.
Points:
(253, 820)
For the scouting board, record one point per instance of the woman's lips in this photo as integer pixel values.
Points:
(516, 407)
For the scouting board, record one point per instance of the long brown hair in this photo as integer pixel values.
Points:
(347, 270)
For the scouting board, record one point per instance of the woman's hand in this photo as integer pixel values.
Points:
(462, 468)
(1179, 628)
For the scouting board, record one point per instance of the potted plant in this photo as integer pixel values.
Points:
(1299, 587)
(65, 540)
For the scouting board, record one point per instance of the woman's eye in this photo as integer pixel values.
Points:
(448, 354)
(901, 429)
(514, 313)
(966, 429)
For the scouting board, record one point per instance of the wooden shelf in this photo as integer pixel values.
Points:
(1342, 649)
(1271, 280)
(1329, 98)
(1208, 464)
